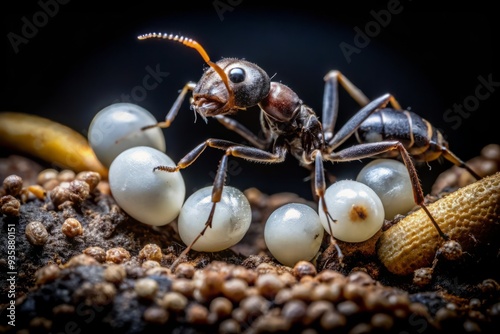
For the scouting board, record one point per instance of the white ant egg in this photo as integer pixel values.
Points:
(357, 209)
(117, 127)
(153, 198)
(390, 180)
(293, 232)
(231, 220)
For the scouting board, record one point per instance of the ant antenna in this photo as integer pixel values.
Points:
(197, 46)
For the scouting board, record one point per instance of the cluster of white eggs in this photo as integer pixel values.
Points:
(157, 197)
(292, 232)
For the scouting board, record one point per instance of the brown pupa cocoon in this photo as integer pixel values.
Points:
(470, 216)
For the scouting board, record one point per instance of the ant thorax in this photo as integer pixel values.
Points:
(302, 134)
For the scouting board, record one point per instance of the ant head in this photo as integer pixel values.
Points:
(226, 86)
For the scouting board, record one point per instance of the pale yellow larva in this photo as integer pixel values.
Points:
(48, 140)
(470, 215)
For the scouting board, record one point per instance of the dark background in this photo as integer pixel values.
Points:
(83, 58)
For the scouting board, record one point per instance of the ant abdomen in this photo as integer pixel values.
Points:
(422, 140)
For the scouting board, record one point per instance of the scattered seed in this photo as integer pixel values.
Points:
(47, 273)
(174, 301)
(114, 273)
(36, 233)
(13, 185)
(92, 178)
(146, 288)
(117, 255)
(156, 315)
(9, 205)
(151, 252)
(72, 228)
(96, 252)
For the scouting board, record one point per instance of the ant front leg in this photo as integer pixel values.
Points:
(237, 127)
(174, 110)
(231, 149)
(368, 150)
(320, 189)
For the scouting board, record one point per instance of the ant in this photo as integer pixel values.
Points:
(290, 126)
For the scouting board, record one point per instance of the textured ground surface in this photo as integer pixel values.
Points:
(116, 274)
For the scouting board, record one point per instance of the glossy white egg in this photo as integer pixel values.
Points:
(357, 209)
(117, 127)
(293, 232)
(231, 220)
(391, 182)
(153, 198)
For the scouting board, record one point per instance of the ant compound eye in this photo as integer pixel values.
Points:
(237, 75)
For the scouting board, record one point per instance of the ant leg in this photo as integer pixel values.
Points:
(331, 104)
(237, 127)
(174, 110)
(232, 149)
(320, 188)
(367, 150)
(355, 121)
(330, 99)
(448, 155)
(218, 185)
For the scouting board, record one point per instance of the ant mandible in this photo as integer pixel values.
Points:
(290, 126)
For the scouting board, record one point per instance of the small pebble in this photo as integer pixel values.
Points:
(47, 273)
(114, 273)
(92, 178)
(47, 175)
(348, 308)
(197, 314)
(255, 305)
(59, 195)
(150, 264)
(316, 309)
(304, 268)
(174, 301)
(382, 321)
(66, 175)
(151, 252)
(96, 252)
(183, 286)
(79, 191)
(235, 289)
(117, 255)
(146, 288)
(9, 205)
(423, 276)
(13, 184)
(229, 326)
(156, 315)
(72, 228)
(80, 260)
(332, 320)
(36, 233)
(451, 250)
(330, 292)
(268, 285)
(221, 307)
(294, 310)
(184, 270)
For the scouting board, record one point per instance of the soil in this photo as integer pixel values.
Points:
(117, 275)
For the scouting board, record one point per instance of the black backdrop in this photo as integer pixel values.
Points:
(66, 61)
